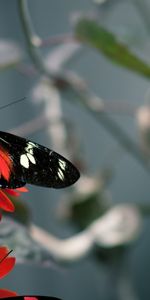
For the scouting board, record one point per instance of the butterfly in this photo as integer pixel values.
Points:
(23, 161)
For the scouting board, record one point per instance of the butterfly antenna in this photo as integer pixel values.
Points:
(5, 256)
(13, 102)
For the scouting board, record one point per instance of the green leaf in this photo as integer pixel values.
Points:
(91, 33)
(86, 210)
(91, 201)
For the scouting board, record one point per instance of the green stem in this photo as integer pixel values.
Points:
(29, 36)
(33, 51)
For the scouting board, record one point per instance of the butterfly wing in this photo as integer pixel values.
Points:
(35, 164)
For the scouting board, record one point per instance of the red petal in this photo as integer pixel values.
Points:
(6, 266)
(6, 262)
(16, 192)
(12, 192)
(6, 293)
(3, 252)
(5, 202)
(22, 189)
(5, 164)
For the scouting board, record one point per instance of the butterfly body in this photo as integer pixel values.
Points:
(27, 162)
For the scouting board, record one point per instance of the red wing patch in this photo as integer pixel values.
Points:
(5, 164)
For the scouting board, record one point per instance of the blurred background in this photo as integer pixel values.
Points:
(84, 69)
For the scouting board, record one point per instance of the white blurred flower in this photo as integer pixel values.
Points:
(10, 53)
(45, 92)
(143, 117)
(56, 59)
(143, 122)
(120, 225)
(88, 185)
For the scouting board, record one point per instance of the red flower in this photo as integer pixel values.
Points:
(5, 202)
(4, 293)
(6, 265)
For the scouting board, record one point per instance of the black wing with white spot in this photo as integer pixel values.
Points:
(35, 164)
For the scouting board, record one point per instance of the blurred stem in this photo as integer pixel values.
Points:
(95, 107)
(69, 249)
(53, 109)
(122, 280)
(56, 40)
(31, 126)
(31, 40)
(29, 35)
(4, 67)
